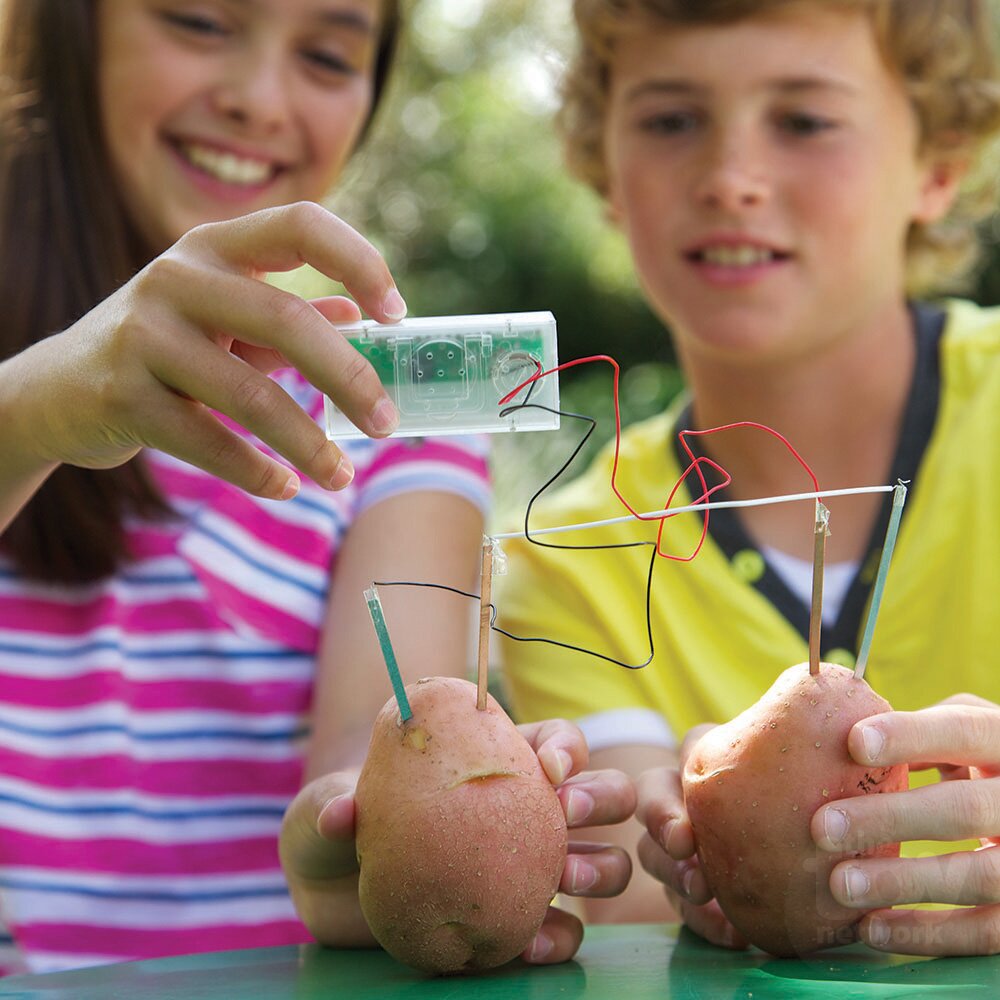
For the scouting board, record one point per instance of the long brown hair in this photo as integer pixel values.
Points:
(66, 243)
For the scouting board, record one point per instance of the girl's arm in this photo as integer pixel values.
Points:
(432, 537)
(425, 536)
(196, 331)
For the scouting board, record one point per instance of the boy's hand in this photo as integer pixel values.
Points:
(667, 850)
(318, 852)
(960, 737)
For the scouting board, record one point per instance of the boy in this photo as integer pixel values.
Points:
(788, 174)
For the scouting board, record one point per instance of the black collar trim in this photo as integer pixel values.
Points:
(726, 529)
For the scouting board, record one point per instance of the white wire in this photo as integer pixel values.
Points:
(709, 505)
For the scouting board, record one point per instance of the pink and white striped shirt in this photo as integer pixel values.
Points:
(152, 724)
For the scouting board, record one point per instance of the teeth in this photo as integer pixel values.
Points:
(737, 256)
(227, 167)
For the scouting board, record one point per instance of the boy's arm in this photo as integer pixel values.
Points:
(667, 849)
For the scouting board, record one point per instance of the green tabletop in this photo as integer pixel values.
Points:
(618, 963)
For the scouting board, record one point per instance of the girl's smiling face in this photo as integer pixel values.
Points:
(215, 108)
(766, 173)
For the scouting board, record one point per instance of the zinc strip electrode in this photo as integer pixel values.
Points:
(898, 499)
(382, 631)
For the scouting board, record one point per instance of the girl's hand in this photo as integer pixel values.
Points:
(318, 853)
(197, 331)
(320, 861)
(667, 850)
(589, 798)
(961, 737)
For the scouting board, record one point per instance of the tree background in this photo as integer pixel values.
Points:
(461, 185)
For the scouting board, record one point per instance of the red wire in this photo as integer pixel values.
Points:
(695, 465)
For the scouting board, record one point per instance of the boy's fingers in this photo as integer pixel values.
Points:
(973, 931)
(954, 733)
(709, 922)
(661, 809)
(684, 878)
(949, 810)
(692, 736)
(964, 878)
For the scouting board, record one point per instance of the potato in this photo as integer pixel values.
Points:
(751, 787)
(461, 839)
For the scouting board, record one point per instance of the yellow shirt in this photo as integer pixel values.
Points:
(719, 641)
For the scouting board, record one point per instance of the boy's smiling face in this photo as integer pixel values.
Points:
(766, 173)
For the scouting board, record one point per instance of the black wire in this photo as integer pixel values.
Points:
(551, 642)
(552, 545)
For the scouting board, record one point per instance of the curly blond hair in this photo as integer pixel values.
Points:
(943, 50)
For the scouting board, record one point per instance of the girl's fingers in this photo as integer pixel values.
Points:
(188, 431)
(557, 939)
(337, 309)
(596, 798)
(227, 305)
(221, 382)
(595, 870)
(317, 832)
(319, 859)
(280, 239)
(561, 747)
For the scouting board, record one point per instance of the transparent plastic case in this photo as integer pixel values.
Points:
(447, 374)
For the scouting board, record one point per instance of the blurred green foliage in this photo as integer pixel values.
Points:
(463, 187)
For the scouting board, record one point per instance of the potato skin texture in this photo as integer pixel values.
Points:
(751, 787)
(461, 838)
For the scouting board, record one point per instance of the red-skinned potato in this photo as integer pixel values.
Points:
(461, 838)
(751, 787)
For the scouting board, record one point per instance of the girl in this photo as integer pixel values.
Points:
(165, 635)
